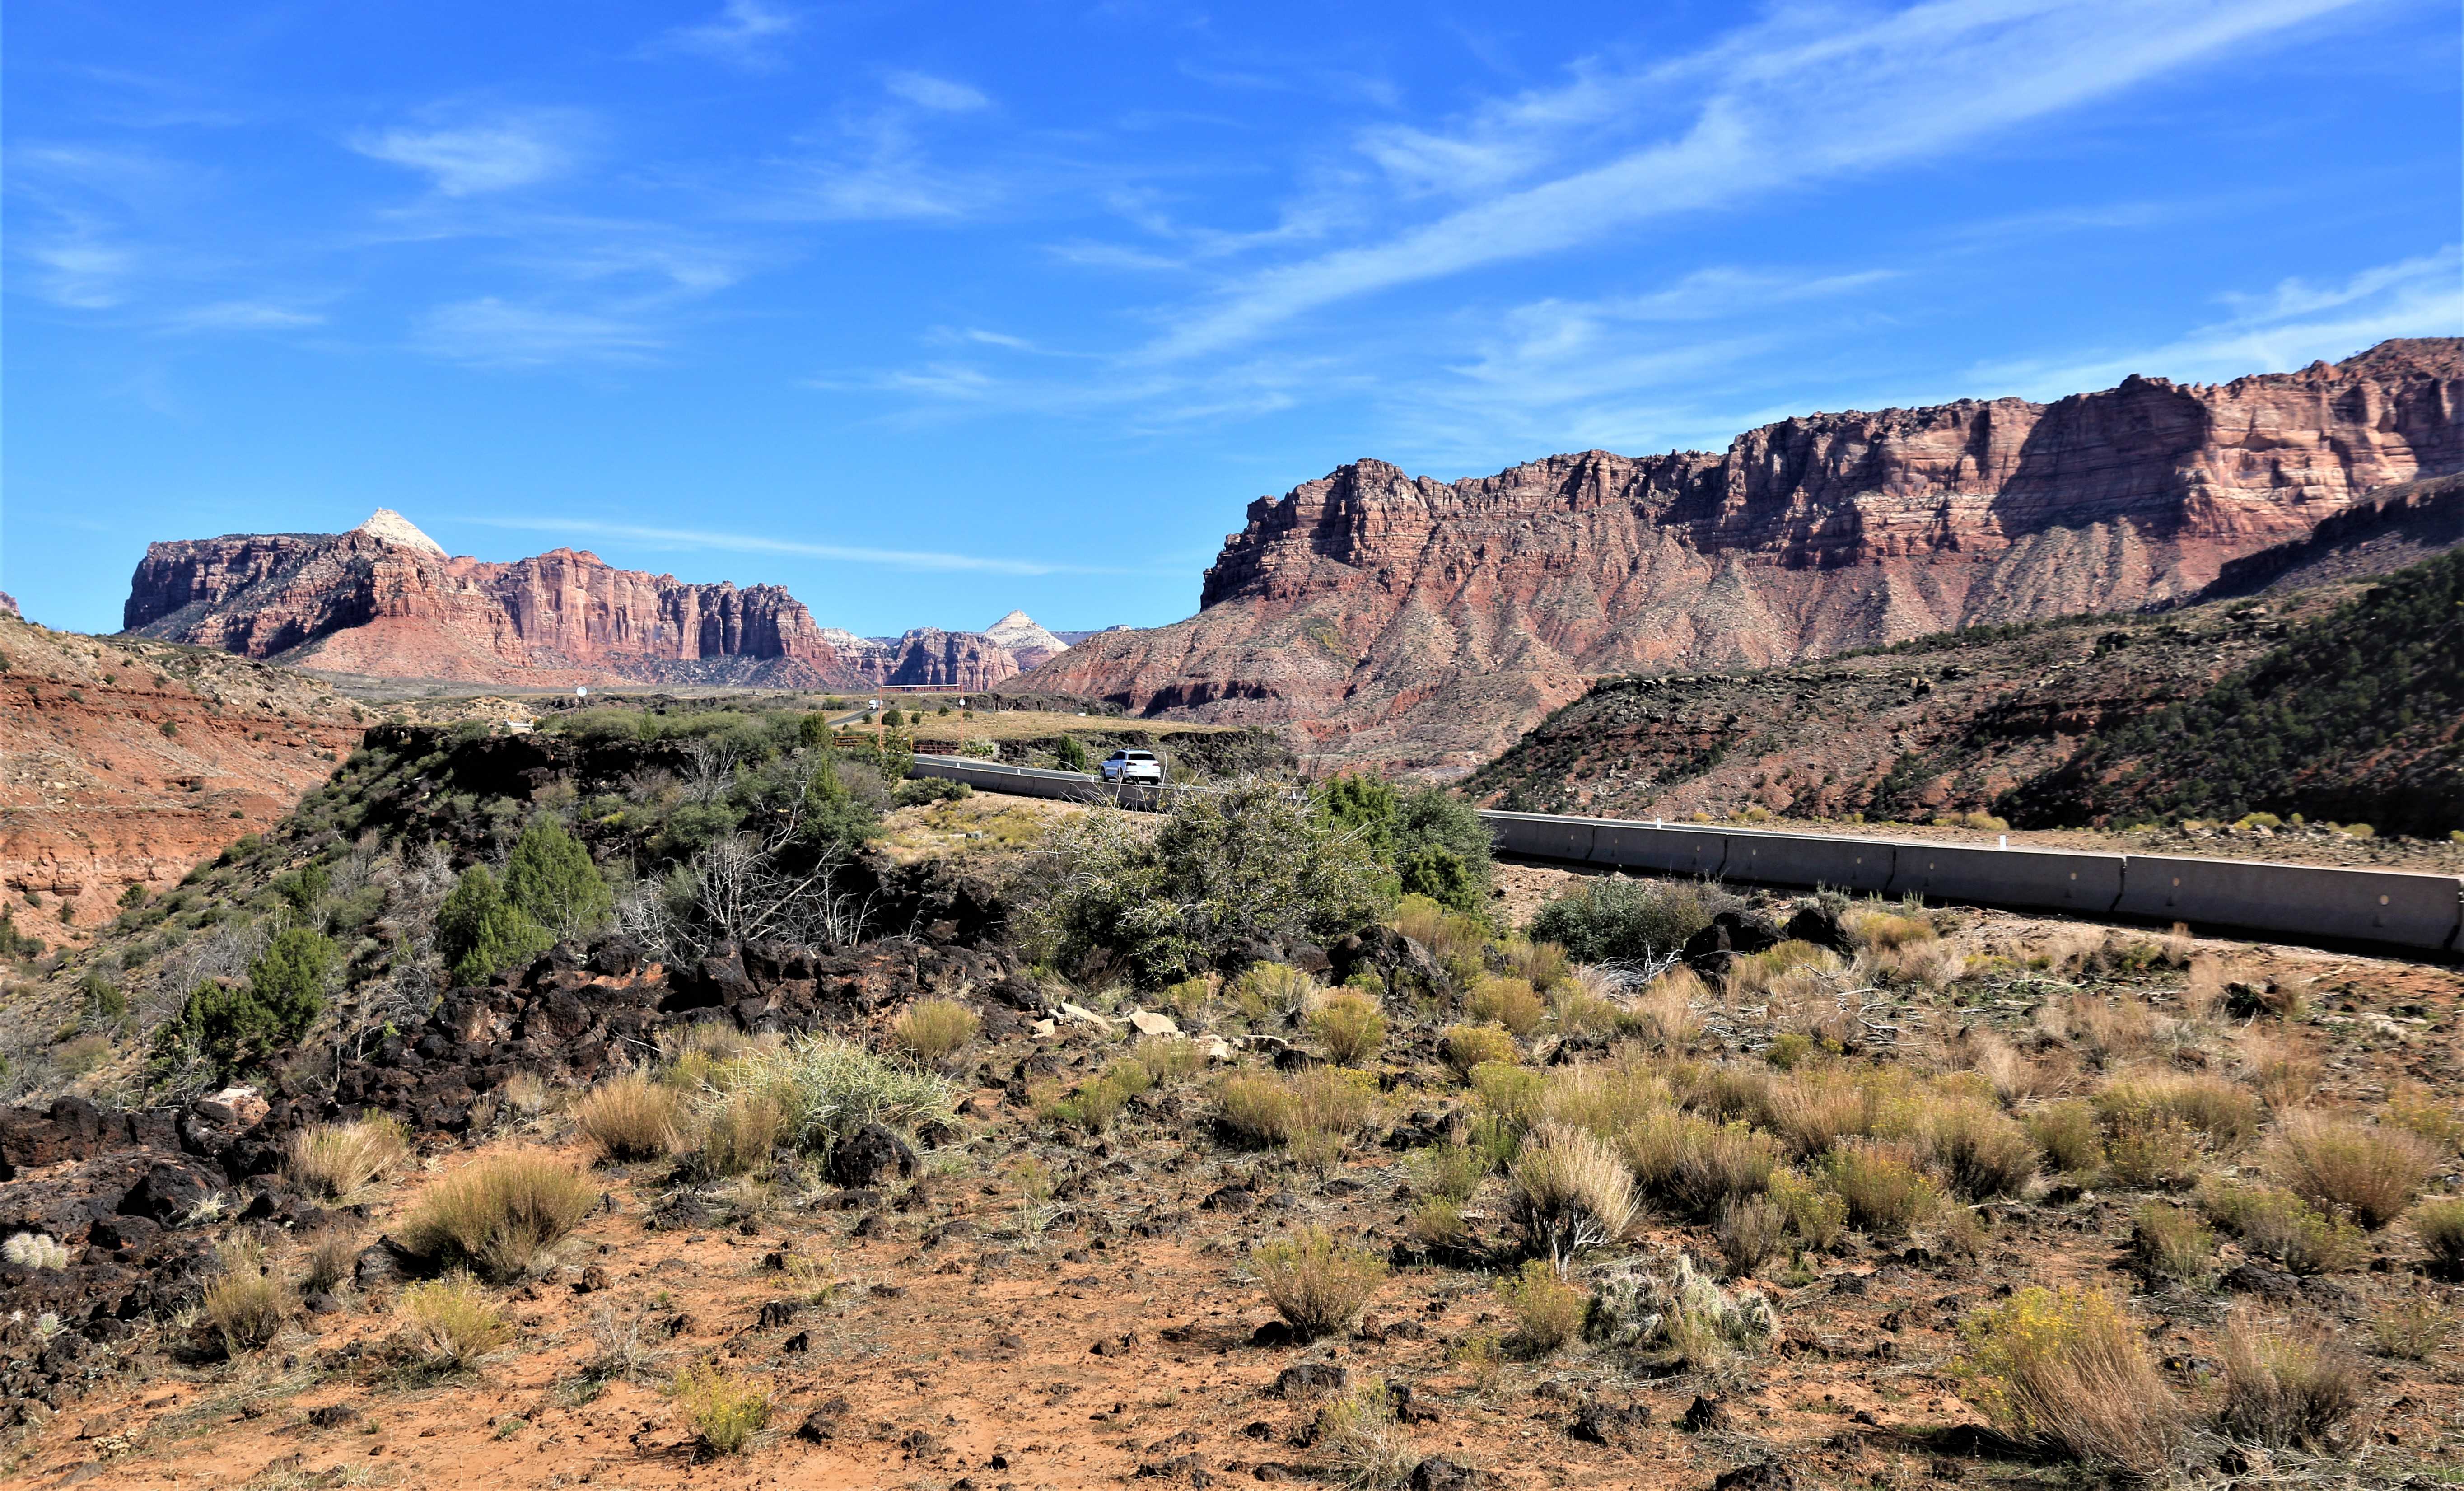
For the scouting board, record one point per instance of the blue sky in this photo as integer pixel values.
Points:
(928, 311)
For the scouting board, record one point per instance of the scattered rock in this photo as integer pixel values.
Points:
(232, 1107)
(824, 1422)
(1148, 1022)
(1310, 1379)
(1771, 1475)
(1435, 1474)
(1703, 1414)
(865, 1156)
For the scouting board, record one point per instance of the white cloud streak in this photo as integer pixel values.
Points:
(489, 156)
(920, 559)
(746, 34)
(941, 94)
(1805, 97)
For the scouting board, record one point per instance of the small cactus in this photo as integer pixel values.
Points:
(35, 1250)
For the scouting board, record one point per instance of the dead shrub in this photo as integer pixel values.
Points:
(1756, 974)
(1817, 1107)
(1546, 1311)
(1976, 1151)
(933, 1031)
(2014, 1078)
(451, 1323)
(2412, 1329)
(1315, 1283)
(1470, 1045)
(1925, 965)
(1886, 931)
(2278, 1069)
(1509, 1002)
(1725, 1093)
(2287, 1388)
(1285, 1109)
(1351, 1025)
(498, 1214)
(2108, 1030)
(1569, 1192)
(630, 1118)
(245, 1301)
(1358, 1430)
(331, 1259)
(2063, 1370)
(1750, 1229)
(333, 1160)
(1885, 1193)
(2372, 1172)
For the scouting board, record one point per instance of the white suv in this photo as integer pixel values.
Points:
(1127, 765)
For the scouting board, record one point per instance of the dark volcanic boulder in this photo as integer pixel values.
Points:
(169, 1192)
(865, 1156)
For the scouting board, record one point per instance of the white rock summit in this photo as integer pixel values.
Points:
(393, 528)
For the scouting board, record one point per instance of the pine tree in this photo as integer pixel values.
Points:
(481, 933)
(552, 879)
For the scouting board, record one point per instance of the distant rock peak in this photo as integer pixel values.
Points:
(393, 528)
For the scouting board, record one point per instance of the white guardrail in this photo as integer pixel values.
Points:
(2293, 902)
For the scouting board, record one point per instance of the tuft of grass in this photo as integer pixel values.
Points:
(245, 1301)
(1885, 1191)
(1548, 1312)
(2163, 1152)
(1285, 1111)
(2287, 1388)
(498, 1214)
(1606, 1098)
(2440, 1225)
(1351, 1025)
(1170, 1058)
(2063, 1370)
(1511, 1003)
(1887, 932)
(1569, 1192)
(333, 1160)
(1451, 1172)
(2274, 1223)
(1096, 1102)
(1358, 1431)
(1816, 1218)
(1977, 1151)
(2068, 1134)
(738, 1133)
(1695, 1166)
(331, 1259)
(1317, 1284)
(451, 1323)
(1666, 1014)
(2167, 1242)
(2412, 1330)
(2370, 1171)
(723, 1409)
(1543, 965)
(1266, 990)
(630, 1118)
(1473, 1046)
(935, 1030)
(2227, 1115)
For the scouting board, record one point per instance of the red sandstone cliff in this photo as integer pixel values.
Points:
(1425, 623)
(384, 600)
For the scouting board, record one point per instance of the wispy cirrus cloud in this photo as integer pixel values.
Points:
(1803, 96)
(877, 165)
(2285, 326)
(491, 332)
(922, 559)
(941, 95)
(244, 316)
(745, 34)
(498, 153)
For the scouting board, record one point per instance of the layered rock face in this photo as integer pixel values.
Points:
(384, 600)
(1425, 623)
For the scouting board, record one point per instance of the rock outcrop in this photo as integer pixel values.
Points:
(1425, 623)
(385, 601)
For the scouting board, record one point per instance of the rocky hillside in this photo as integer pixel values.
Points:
(2340, 701)
(1425, 623)
(125, 761)
(385, 601)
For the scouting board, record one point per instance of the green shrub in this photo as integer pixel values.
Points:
(552, 880)
(481, 933)
(933, 1030)
(451, 1323)
(1511, 1003)
(1615, 918)
(2441, 1226)
(1473, 1045)
(1885, 1193)
(1244, 863)
(724, 1410)
(236, 1028)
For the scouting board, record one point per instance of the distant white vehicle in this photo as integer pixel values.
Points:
(1126, 765)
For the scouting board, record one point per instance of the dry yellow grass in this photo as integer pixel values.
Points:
(499, 1212)
(1511, 1003)
(1315, 1283)
(333, 1160)
(631, 1118)
(450, 1323)
(935, 1030)
(2370, 1171)
(2065, 1369)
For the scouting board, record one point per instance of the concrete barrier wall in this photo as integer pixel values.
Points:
(2298, 902)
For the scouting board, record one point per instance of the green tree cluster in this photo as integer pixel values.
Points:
(240, 1027)
(1433, 841)
(551, 888)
